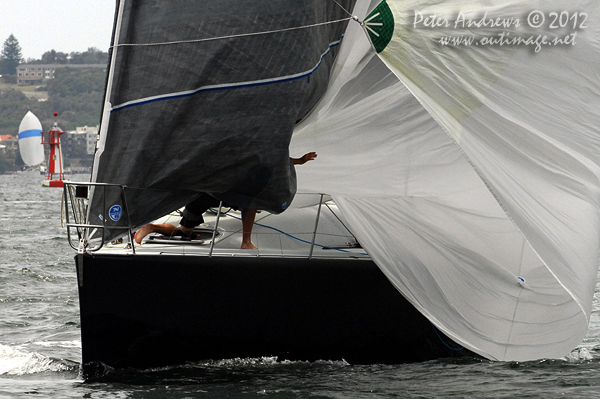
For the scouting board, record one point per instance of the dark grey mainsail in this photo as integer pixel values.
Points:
(203, 97)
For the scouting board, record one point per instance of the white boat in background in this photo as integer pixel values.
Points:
(469, 174)
(30, 140)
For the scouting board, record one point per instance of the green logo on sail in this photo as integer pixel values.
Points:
(379, 24)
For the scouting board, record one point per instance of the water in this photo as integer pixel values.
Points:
(40, 347)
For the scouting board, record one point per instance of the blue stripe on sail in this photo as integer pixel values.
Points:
(30, 133)
(228, 86)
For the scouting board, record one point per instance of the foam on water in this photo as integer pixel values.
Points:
(578, 355)
(58, 344)
(16, 361)
(235, 363)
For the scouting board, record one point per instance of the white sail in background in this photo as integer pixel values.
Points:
(471, 173)
(30, 140)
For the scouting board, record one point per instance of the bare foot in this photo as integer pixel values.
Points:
(248, 245)
(143, 232)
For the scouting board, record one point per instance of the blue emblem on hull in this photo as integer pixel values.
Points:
(115, 212)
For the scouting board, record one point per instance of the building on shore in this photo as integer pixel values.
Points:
(35, 74)
(9, 146)
(80, 142)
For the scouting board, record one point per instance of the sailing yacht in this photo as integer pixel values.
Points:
(453, 209)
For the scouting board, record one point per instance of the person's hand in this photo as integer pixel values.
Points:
(306, 157)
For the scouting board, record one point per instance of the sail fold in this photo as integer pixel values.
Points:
(469, 169)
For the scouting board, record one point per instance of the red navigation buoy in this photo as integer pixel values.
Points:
(55, 163)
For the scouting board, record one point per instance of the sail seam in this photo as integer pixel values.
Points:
(524, 243)
(230, 36)
(228, 86)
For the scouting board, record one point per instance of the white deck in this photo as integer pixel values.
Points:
(289, 234)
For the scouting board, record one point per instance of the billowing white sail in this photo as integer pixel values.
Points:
(471, 173)
(30, 140)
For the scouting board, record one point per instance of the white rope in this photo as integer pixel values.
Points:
(339, 5)
(231, 36)
(352, 17)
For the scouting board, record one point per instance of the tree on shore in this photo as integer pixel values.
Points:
(54, 57)
(11, 57)
(92, 56)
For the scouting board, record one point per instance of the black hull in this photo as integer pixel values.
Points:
(149, 311)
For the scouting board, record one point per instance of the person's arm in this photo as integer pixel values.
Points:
(304, 158)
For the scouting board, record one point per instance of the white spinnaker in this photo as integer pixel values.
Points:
(30, 140)
(476, 192)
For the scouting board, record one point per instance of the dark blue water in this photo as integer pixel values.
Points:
(40, 347)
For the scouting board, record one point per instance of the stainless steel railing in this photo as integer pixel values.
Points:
(84, 236)
(75, 196)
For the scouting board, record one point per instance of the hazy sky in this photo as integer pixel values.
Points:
(61, 25)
